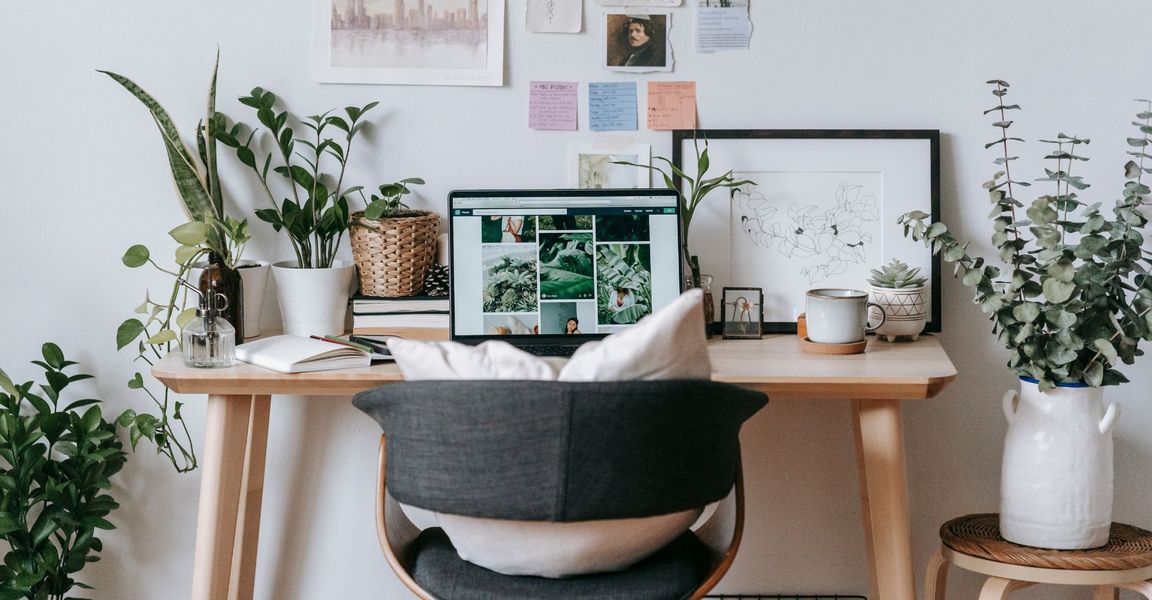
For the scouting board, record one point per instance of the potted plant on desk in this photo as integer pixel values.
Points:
(698, 188)
(393, 245)
(900, 292)
(1072, 306)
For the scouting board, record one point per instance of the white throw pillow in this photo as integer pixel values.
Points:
(669, 344)
(453, 360)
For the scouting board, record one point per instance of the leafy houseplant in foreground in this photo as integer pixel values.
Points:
(56, 459)
(1073, 304)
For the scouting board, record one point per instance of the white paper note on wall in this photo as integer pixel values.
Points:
(554, 16)
(722, 25)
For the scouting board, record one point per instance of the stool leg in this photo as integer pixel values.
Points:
(1141, 587)
(1106, 592)
(997, 588)
(936, 577)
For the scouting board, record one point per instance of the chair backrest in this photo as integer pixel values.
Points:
(560, 451)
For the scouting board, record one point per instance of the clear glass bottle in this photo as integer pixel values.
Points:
(209, 340)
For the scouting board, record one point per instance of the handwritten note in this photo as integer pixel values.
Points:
(554, 16)
(612, 106)
(725, 28)
(552, 105)
(671, 105)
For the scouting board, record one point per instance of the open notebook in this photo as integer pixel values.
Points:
(295, 354)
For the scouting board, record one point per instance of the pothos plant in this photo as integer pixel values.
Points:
(698, 188)
(1074, 301)
(56, 459)
(208, 233)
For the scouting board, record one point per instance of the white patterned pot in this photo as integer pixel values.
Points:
(906, 311)
(313, 301)
(1056, 475)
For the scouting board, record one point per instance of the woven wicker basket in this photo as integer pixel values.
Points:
(394, 253)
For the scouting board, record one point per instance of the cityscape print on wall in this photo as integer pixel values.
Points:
(430, 42)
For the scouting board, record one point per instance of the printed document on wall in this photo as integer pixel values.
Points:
(722, 25)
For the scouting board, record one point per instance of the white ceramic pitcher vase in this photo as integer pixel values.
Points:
(1056, 475)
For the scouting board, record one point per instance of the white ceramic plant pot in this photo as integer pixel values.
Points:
(1056, 475)
(254, 278)
(254, 275)
(313, 301)
(906, 310)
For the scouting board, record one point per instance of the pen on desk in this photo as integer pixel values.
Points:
(341, 341)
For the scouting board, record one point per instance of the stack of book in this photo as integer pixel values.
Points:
(411, 317)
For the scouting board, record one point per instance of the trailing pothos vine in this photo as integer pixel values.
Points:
(1075, 300)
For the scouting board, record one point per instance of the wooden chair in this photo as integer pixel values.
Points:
(973, 543)
(712, 545)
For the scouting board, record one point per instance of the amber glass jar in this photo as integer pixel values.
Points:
(219, 278)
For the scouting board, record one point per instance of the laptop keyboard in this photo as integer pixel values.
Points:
(549, 350)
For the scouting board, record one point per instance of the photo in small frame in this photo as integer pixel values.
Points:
(743, 313)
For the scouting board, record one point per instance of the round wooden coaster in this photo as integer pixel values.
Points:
(808, 345)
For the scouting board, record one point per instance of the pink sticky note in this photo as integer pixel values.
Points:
(671, 105)
(552, 105)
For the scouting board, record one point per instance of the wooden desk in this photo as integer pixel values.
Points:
(239, 398)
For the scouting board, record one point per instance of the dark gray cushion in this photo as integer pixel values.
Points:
(560, 451)
(669, 574)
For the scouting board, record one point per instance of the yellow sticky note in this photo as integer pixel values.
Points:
(671, 105)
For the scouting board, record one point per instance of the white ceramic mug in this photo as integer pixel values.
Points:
(839, 316)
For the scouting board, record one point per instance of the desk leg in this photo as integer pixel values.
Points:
(222, 476)
(884, 498)
(252, 492)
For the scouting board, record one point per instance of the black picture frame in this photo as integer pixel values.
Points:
(774, 152)
(746, 307)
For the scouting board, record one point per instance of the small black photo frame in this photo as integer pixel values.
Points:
(743, 311)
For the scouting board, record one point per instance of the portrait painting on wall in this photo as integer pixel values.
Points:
(637, 42)
(429, 42)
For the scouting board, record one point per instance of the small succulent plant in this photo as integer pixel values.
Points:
(897, 276)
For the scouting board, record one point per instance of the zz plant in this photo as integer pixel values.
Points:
(56, 459)
(316, 215)
(1074, 301)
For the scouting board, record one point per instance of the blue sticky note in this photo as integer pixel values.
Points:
(612, 105)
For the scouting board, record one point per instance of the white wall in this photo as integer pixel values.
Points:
(84, 177)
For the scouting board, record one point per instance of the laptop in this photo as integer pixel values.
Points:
(548, 270)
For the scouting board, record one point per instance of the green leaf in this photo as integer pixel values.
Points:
(1094, 376)
(1026, 312)
(185, 317)
(193, 190)
(127, 332)
(1137, 142)
(91, 419)
(6, 384)
(186, 254)
(137, 382)
(1056, 291)
(135, 256)
(1108, 350)
(53, 355)
(162, 337)
(190, 234)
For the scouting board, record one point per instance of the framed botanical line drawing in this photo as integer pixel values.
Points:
(418, 42)
(823, 212)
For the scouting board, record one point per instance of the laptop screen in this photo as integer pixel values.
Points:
(560, 266)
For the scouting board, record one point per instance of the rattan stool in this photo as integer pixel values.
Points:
(973, 543)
